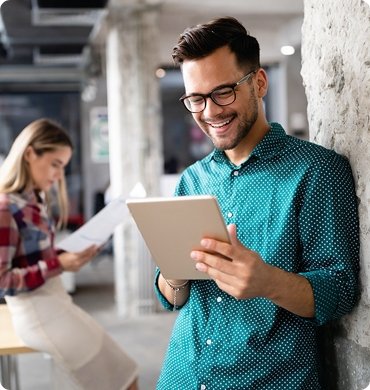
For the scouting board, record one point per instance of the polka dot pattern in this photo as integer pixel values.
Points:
(294, 203)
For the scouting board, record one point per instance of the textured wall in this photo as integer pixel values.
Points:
(336, 74)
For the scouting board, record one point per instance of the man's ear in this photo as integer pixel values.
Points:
(262, 83)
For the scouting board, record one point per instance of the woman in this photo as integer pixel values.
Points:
(43, 314)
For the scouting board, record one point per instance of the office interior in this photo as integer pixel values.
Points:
(53, 64)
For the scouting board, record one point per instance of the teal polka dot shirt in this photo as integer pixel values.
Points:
(294, 203)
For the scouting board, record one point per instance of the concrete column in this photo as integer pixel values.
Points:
(336, 74)
(135, 140)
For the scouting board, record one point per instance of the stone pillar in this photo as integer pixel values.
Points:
(336, 74)
(135, 140)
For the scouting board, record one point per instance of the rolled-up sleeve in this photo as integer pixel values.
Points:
(329, 231)
(161, 298)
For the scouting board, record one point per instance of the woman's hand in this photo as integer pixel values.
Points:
(73, 261)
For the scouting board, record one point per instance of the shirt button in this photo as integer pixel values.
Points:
(203, 387)
(229, 214)
(209, 342)
(236, 173)
(219, 299)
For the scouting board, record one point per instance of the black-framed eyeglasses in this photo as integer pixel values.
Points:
(222, 96)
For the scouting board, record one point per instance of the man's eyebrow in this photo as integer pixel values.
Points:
(224, 85)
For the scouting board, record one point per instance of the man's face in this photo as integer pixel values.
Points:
(227, 125)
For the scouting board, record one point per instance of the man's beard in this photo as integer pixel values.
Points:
(244, 127)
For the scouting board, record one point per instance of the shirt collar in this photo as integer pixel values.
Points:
(30, 196)
(270, 146)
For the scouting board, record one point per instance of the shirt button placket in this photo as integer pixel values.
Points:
(230, 214)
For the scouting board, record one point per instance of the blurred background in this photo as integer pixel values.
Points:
(52, 63)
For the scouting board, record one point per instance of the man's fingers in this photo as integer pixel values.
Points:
(219, 247)
(232, 233)
(214, 261)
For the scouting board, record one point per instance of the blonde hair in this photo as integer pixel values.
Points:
(43, 135)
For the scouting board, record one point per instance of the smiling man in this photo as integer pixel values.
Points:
(292, 263)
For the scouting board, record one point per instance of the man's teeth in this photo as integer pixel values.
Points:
(217, 125)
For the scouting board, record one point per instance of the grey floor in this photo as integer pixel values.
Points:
(145, 338)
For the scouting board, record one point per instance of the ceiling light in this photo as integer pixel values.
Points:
(287, 50)
(160, 73)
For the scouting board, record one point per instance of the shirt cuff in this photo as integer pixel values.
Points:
(162, 299)
(50, 267)
(325, 295)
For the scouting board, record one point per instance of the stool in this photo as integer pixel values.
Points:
(10, 346)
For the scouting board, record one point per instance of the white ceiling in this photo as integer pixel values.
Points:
(274, 23)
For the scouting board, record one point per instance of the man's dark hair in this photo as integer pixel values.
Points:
(203, 39)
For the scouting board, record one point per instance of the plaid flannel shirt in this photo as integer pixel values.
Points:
(27, 254)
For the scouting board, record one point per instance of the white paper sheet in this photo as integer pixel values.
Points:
(101, 226)
(98, 229)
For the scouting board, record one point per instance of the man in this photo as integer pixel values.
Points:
(292, 263)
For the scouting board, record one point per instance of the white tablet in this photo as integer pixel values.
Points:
(173, 227)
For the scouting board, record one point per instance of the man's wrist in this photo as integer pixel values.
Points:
(176, 284)
(175, 287)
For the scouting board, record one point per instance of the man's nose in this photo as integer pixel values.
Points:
(212, 109)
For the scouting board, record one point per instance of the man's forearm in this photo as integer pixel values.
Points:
(292, 292)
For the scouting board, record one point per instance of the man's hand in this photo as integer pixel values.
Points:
(242, 273)
(237, 270)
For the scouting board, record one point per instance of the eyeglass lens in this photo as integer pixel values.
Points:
(222, 97)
